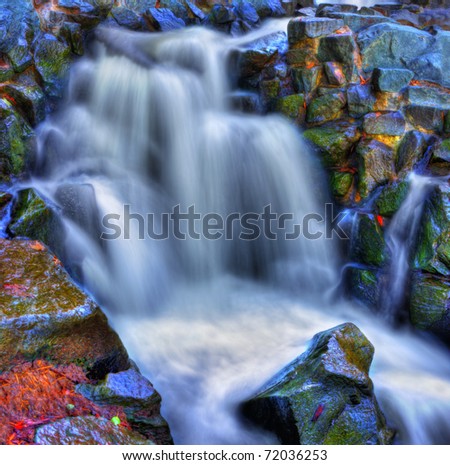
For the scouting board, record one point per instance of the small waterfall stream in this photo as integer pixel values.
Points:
(147, 125)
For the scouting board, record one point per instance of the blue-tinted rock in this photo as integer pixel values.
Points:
(126, 18)
(220, 14)
(72, 33)
(304, 27)
(392, 45)
(360, 100)
(327, 107)
(52, 59)
(410, 151)
(428, 95)
(140, 6)
(424, 117)
(268, 8)
(442, 47)
(337, 47)
(162, 19)
(365, 285)
(325, 396)
(391, 80)
(428, 66)
(334, 73)
(246, 11)
(389, 124)
(306, 80)
(357, 22)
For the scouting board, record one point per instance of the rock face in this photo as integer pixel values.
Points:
(325, 396)
(43, 314)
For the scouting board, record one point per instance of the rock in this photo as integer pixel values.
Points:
(406, 17)
(392, 45)
(432, 250)
(72, 33)
(440, 159)
(410, 151)
(390, 124)
(83, 6)
(335, 74)
(376, 165)
(29, 99)
(325, 9)
(428, 66)
(140, 401)
(425, 118)
(32, 218)
(337, 47)
(304, 27)
(360, 100)
(340, 182)
(44, 315)
(365, 285)
(177, 8)
(326, 108)
(335, 141)
(87, 430)
(195, 14)
(15, 135)
(325, 396)
(430, 304)
(368, 245)
(303, 57)
(220, 14)
(269, 91)
(162, 19)
(247, 102)
(140, 6)
(126, 17)
(391, 80)
(391, 198)
(268, 8)
(357, 22)
(306, 79)
(246, 11)
(52, 59)
(428, 96)
(292, 107)
(442, 46)
(254, 56)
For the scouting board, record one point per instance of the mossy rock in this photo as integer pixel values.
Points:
(365, 285)
(430, 304)
(391, 198)
(340, 182)
(334, 141)
(44, 315)
(325, 108)
(292, 107)
(368, 243)
(325, 396)
(440, 159)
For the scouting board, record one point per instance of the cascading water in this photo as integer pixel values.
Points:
(147, 124)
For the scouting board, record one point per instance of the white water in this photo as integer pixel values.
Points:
(192, 313)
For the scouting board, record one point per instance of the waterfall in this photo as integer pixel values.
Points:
(401, 236)
(147, 128)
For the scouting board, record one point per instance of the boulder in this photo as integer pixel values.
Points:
(87, 430)
(337, 47)
(368, 243)
(325, 108)
(335, 74)
(391, 198)
(430, 304)
(376, 165)
(137, 396)
(360, 100)
(440, 158)
(127, 18)
(44, 315)
(268, 8)
(340, 182)
(425, 117)
(304, 27)
(335, 141)
(410, 151)
(292, 106)
(246, 11)
(391, 80)
(365, 284)
(358, 22)
(220, 15)
(325, 396)
(52, 58)
(389, 124)
(162, 19)
(306, 79)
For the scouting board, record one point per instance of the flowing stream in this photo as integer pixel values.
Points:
(147, 127)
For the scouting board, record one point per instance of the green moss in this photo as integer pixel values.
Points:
(325, 108)
(369, 244)
(391, 197)
(291, 106)
(341, 183)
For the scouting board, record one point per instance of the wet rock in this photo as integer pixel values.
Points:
(52, 59)
(304, 27)
(428, 66)
(376, 165)
(442, 47)
(390, 124)
(337, 47)
(292, 106)
(368, 245)
(137, 396)
(391, 80)
(391, 198)
(335, 74)
(162, 19)
(72, 33)
(269, 91)
(360, 100)
(335, 141)
(140, 6)
(410, 151)
(15, 135)
(87, 430)
(326, 108)
(247, 102)
(340, 182)
(365, 285)
(254, 56)
(430, 304)
(268, 8)
(392, 45)
(246, 11)
(425, 118)
(428, 96)
(32, 218)
(358, 22)
(44, 315)
(440, 159)
(220, 15)
(306, 79)
(325, 9)
(304, 56)
(406, 17)
(325, 396)
(126, 17)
